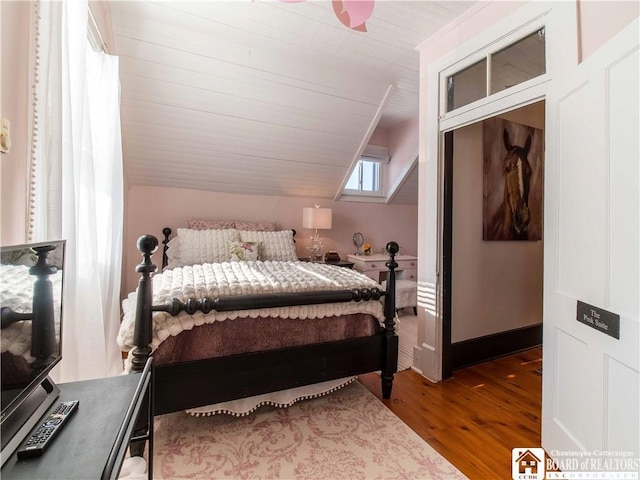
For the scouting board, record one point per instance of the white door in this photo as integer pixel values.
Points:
(591, 380)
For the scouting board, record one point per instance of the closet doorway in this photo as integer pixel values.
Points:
(492, 279)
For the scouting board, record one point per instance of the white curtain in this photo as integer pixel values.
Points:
(77, 191)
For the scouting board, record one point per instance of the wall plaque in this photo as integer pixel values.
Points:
(599, 319)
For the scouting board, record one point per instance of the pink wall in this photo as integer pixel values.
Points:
(403, 148)
(600, 21)
(379, 137)
(149, 209)
(13, 165)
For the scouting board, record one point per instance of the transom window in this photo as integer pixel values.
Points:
(521, 61)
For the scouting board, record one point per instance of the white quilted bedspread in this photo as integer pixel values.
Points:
(246, 278)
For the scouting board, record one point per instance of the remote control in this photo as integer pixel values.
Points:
(41, 438)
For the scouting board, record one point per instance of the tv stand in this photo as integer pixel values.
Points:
(27, 416)
(94, 441)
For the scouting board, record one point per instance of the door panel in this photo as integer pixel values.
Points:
(591, 382)
(582, 219)
(570, 388)
(624, 184)
(621, 410)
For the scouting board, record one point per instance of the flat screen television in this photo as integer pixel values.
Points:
(31, 286)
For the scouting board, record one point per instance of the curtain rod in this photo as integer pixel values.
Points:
(95, 30)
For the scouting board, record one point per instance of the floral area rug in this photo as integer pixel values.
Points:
(348, 434)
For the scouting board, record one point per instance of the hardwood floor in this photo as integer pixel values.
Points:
(476, 417)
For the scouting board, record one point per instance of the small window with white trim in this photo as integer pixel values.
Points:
(366, 178)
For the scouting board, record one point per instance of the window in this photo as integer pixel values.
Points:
(467, 85)
(512, 65)
(365, 178)
(518, 62)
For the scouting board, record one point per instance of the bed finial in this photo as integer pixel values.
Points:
(147, 244)
(393, 248)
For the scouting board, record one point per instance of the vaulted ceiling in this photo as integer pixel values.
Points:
(264, 97)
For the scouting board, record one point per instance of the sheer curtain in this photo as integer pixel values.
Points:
(76, 183)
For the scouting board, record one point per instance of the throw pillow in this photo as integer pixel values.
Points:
(195, 224)
(244, 251)
(255, 226)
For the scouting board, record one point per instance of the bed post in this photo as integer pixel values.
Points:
(147, 244)
(390, 354)
(165, 260)
(43, 331)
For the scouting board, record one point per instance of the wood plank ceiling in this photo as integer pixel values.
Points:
(263, 97)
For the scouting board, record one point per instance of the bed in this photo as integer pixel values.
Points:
(168, 316)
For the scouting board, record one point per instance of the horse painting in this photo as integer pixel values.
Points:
(508, 178)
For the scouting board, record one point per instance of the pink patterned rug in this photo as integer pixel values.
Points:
(348, 434)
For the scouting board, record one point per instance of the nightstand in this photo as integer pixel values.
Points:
(373, 265)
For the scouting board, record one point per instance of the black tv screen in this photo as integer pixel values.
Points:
(31, 285)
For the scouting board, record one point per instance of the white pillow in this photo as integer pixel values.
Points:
(276, 246)
(201, 246)
(173, 253)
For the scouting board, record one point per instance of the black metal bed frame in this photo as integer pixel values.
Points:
(209, 381)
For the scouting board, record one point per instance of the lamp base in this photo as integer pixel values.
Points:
(315, 250)
(316, 257)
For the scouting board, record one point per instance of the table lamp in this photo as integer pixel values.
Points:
(316, 218)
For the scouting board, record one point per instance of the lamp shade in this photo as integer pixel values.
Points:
(316, 218)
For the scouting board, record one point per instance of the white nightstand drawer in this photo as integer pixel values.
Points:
(377, 266)
(409, 274)
(407, 264)
(372, 265)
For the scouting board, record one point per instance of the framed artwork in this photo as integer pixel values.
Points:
(513, 156)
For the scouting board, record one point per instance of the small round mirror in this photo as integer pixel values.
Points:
(358, 241)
